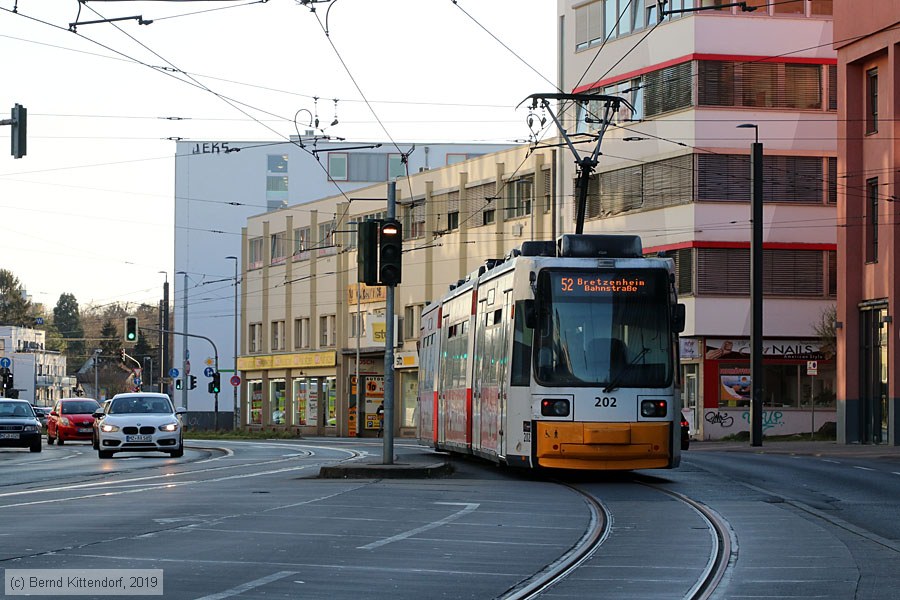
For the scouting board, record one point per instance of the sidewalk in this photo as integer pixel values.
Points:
(801, 448)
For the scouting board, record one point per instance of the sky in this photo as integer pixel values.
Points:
(89, 210)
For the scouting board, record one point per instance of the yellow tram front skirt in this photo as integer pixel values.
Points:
(604, 446)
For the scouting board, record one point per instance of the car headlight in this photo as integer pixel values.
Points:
(65, 422)
(108, 427)
(30, 428)
(169, 427)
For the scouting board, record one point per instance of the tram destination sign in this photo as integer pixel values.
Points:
(589, 284)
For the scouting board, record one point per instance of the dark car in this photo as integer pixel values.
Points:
(72, 419)
(19, 427)
(42, 413)
(685, 433)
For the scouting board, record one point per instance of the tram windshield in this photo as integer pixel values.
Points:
(606, 328)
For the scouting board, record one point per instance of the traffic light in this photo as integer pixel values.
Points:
(122, 354)
(389, 254)
(367, 252)
(19, 124)
(178, 384)
(131, 329)
(192, 382)
(7, 379)
(214, 386)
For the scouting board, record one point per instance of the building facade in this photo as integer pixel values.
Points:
(39, 375)
(310, 330)
(218, 186)
(675, 169)
(867, 43)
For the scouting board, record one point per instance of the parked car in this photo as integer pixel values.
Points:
(139, 422)
(71, 419)
(685, 433)
(19, 427)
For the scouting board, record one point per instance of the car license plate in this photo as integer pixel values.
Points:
(85, 430)
(138, 438)
(9, 436)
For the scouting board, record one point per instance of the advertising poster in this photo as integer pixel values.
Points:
(374, 398)
(734, 386)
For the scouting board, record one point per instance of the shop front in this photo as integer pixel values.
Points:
(291, 391)
(798, 387)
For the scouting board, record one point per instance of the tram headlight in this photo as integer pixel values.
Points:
(653, 408)
(555, 407)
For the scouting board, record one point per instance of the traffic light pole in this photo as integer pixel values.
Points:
(215, 353)
(388, 452)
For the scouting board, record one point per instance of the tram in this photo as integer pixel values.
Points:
(563, 355)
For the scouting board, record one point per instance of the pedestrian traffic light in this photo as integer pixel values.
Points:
(131, 329)
(367, 252)
(178, 384)
(19, 135)
(7, 379)
(389, 254)
(192, 382)
(214, 384)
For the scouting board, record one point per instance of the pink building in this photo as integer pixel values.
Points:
(867, 40)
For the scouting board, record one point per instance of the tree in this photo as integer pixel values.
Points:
(15, 308)
(110, 343)
(826, 331)
(67, 320)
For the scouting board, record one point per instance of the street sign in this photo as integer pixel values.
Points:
(187, 367)
(812, 367)
(208, 371)
(235, 380)
(137, 381)
(5, 362)
(39, 320)
(173, 372)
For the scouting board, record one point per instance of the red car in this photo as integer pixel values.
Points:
(71, 419)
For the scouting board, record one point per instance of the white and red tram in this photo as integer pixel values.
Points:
(564, 355)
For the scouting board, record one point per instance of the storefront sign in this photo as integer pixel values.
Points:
(367, 293)
(719, 349)
(406, 360)
(307, 360)
(689, 348)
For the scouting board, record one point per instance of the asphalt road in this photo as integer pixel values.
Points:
(251, 520)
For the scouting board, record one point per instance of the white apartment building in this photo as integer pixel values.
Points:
(219, 185)
(676, 172)
(39, 375)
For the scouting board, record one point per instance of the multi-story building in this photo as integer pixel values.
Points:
(39, 375)
(867, 43)
(309, 329)
(219, 184)
(675, 170)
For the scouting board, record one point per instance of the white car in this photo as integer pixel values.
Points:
(139, 422)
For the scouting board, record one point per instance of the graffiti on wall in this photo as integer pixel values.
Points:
(770, 418)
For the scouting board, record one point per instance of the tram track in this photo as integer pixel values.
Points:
(721, 555)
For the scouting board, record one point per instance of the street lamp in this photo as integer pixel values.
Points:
(757, 380)
(234, 414)
(96, 377)
(164, 334)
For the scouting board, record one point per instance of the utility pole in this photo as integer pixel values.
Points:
(185, 359)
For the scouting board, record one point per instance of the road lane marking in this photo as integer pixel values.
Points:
(469, 507)
(246, 587)
(834, 462)
(863, 468)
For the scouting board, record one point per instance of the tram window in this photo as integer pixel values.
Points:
(523, 341)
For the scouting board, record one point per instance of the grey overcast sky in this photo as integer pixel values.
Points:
(89, 210)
